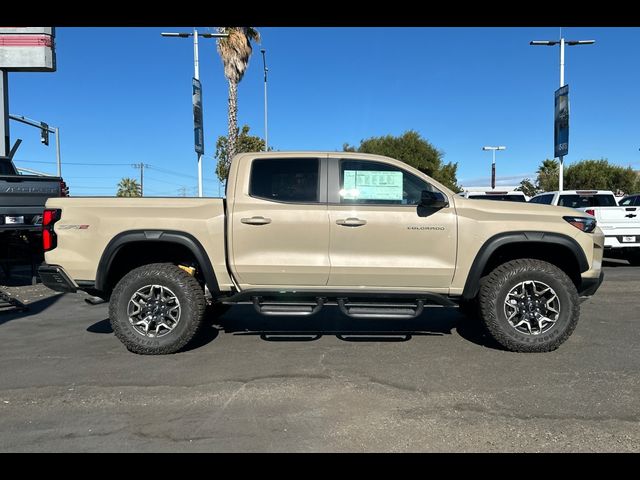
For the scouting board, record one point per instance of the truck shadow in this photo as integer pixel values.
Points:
(244, 320)
(33, 308)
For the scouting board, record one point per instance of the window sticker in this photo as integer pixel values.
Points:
(371, 185)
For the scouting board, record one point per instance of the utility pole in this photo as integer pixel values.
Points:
(266, 131)
(141, 166)
(197, 94)
(5, 148)
(562, 42)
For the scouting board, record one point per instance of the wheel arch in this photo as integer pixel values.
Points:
(554, 247)
(140, 238)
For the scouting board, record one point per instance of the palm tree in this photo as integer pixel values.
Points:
(235, 51)
(548, 175)
(128, 187)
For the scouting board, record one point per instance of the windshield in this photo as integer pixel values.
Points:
(508, 198)
(582, 201)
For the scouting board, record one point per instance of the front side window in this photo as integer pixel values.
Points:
(544, 199)
(367, 182)
(292, 180)
(629, 201)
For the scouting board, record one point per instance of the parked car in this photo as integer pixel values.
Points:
(22, 198)
(620, 223)
(302, 230)
(630, 200)
(505, 195)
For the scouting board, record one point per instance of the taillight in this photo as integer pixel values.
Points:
(64, 190)
(590, 212)
(49, 237)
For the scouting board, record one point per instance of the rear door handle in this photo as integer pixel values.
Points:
(256, 220)
(351, 222)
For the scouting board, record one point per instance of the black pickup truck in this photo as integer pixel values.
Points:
(22, 198)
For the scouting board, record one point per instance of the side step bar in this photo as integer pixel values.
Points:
(358, 304)
(287, 308)
(381, 310)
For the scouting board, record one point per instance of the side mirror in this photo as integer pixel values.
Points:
(433, 199)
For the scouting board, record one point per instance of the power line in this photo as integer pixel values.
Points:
(170, 172)
(74, 163)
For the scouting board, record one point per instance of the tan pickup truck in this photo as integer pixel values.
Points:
(302, 230)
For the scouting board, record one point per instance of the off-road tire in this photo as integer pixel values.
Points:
(469, 308)
(185, 287)
(493, 293)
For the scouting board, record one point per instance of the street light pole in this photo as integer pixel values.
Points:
(562, 43)
(493, 163)
(196, 75)
(42, 126)
(266, 131)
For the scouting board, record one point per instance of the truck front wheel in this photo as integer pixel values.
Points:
(156, 309)
(529, 305)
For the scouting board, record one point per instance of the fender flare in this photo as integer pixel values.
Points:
(168, 236)
(472, 285)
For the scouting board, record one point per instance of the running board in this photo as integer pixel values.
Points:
(356, 304)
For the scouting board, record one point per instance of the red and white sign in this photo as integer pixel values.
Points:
(27, 49)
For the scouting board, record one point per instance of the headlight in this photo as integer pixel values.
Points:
(585, 224)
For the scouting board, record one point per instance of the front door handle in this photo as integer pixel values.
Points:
(256, 220)
(351, 222)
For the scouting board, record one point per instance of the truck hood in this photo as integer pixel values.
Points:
(493, 207)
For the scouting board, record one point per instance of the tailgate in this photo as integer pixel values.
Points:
(27, 190)
(627, 217)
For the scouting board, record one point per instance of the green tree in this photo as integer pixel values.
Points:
(600, 175)
(548, 171)
(128, 187)
(235, 51)
(528, 188)
(245, 143)
(413, 150)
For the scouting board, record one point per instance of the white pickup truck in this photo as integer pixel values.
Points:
(620, 224)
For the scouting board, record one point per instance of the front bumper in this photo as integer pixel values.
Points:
(55, 278)
(589, 286)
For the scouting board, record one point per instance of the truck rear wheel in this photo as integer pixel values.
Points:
(529, 305)
(156, 309)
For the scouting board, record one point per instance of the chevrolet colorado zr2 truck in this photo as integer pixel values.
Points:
(302, 230)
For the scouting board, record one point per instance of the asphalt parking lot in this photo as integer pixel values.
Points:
(249, 385)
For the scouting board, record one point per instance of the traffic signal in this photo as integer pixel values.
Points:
(44, 133)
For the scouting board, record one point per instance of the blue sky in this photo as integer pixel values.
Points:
(123, 96)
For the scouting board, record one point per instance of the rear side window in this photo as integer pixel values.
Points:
(582, 201)
(544, 199)
(292, 180)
